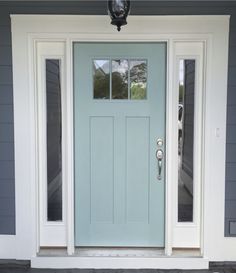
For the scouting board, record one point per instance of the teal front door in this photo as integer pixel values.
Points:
(119, 113)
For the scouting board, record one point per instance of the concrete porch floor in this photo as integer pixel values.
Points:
(30, 270)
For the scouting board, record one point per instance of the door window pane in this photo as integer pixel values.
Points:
(138, 79)
(127, 79)
(186, 140)
(101, 79)
(54, 140)
(120, 70)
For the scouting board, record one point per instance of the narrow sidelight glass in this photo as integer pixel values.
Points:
(101, 79)
(186, 140)
(54, 140)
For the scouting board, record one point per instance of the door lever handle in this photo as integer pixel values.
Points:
(159, 156)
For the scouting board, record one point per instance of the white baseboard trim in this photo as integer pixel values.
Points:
(120, 262)
(7, 247)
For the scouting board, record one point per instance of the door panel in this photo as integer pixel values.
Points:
(137, 164)
(119, 92)
(102, 170)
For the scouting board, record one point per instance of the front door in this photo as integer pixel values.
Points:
(119, 114)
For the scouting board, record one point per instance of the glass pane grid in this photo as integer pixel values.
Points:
(120, 79)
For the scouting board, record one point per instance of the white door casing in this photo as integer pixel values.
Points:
(28, 30)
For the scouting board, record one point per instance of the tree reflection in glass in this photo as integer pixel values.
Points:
(138, 79)
(101, 79)
(186, 140)
(120, 79)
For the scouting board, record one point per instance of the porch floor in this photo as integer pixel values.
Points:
(32, 270)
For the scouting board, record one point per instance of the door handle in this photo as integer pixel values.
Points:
(159, 156)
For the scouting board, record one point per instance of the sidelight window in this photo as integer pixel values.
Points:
(54, 140)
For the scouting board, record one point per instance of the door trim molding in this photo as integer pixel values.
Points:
(27, 30)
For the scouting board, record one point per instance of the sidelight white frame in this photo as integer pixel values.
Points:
(187, 234)
(51, 233)
(27, 30)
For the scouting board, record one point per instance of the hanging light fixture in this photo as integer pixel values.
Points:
(118, 11)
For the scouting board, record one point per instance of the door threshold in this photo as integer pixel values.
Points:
(119, 252)
(103, 252)
(124, 252)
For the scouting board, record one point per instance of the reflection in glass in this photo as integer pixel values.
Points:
(101, 79)
(54, 138)
(185, 140)
(138, 79)
(120, 79)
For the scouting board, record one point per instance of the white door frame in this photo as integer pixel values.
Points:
(28, 30)
(50, 233)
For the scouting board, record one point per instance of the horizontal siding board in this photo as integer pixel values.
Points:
(231, 115)
(231, 153)
(6, 94)
(5, 55)
(232, 39)
(7, 188)
(231, 75)
(232, 51)
(231, 134)
(6, 114)
(231, 172)
(5, 35)
(230, 190)
(6, 170)
(98, 8)
(142, 9)
(7, 132)
(6, 151)
(5, 74)
(149, 3)
(232, 21)
(4, 16)
(231, 96)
